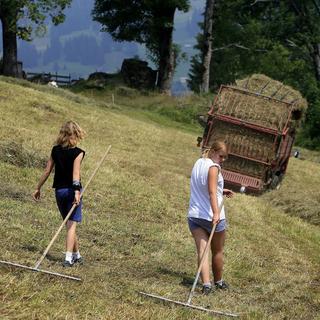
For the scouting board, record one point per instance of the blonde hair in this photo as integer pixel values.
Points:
(216, 146)
(70, 135)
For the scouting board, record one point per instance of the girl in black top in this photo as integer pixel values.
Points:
(66, 157)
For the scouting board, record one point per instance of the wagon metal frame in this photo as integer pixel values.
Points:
(253, 114)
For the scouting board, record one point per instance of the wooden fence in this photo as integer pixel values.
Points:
(47, 77)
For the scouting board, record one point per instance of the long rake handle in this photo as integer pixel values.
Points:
(70, 211)
(203, 258)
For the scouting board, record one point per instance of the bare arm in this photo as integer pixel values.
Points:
(212, 188)
(50, 164)
(228, 193)
(76, 175)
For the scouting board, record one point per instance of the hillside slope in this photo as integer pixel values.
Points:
(134, 236)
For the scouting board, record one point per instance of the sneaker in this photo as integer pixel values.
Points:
(78, 260)
(223, 285)
(67, 264)
(206, 290)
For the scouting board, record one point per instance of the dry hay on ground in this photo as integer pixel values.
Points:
(20, 156)
(13, 192)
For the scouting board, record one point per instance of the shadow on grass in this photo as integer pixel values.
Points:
(186, 281)
(39, 251)
(30, 247)
(53, 258)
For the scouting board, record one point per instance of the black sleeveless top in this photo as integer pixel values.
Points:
(63, 160)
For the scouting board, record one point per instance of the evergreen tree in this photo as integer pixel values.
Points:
(299, 34)
(277, 38)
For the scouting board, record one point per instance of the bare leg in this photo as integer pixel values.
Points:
(76, 244)
(71, 240)
(201, 238)
(217, 245)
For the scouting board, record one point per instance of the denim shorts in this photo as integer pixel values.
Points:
(195, 223)
(65, 198)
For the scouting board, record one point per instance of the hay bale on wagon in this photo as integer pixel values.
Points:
(257, 118)
(264, 85)
(250, 107)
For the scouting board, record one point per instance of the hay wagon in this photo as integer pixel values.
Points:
(259, 130)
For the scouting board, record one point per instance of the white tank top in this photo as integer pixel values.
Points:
(199, 205)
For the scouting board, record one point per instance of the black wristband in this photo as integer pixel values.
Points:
(76, 185)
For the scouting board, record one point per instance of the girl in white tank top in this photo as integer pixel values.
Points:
(206, 197)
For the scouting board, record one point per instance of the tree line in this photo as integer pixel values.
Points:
(278, 38)
(239, 37)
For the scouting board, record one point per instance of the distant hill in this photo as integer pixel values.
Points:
(78, 47)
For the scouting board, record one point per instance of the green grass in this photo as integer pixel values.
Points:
(183, 111)
(134, 235)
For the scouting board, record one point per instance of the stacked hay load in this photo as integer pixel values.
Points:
(256, 117)
(268, 87)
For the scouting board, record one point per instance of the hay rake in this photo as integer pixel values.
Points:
(188, 304)
(36, 268)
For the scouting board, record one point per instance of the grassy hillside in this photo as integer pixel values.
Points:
(134, 235)
(159, 108)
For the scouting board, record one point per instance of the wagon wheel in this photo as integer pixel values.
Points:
(275, 183)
